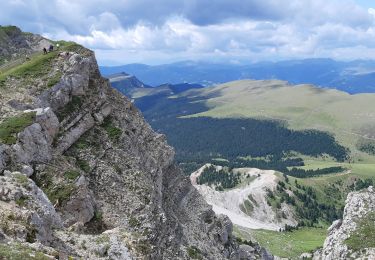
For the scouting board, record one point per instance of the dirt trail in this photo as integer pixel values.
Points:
(228, 202)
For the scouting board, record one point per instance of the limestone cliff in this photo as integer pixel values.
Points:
(85, 177)
(353, 237)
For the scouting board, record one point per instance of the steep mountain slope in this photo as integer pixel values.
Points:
(352, 77)
(125, 83)
(131, 86)
(102, 183)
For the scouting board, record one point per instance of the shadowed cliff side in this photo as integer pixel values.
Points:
(84, 176)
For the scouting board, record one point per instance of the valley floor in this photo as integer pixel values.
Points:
(286, 244)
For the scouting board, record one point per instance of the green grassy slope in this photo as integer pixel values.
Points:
(349, 117)
(286, 244)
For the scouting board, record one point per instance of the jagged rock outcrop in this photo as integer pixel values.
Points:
(103, 183)
(353, 236)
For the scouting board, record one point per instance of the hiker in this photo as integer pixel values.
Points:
(44, 51)
(50, 48)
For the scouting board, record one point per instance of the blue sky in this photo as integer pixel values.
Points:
(366, 3)
(235, 31)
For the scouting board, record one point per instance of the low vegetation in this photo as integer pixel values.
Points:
(10, 127)
(60, 193)
(310, 211)
(69, 108)
(22, 179)
(114, 133)
(302, 173)
(364, 235)
(286, 244)
(194, 252)
(83, 165)
(36, 68)
(22, 201)
(17, 251)
(71, 175)
(247, 207)
(220, 179)
(54, 80)
(57, 192)
(367, 146)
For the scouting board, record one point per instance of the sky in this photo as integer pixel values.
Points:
(231, 31)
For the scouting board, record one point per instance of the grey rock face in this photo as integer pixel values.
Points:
(113, 189)
(27, 170)
(32, 146)
(34, 142)
(34, 217)
(81, 206)
(358, 206)
(4, 156)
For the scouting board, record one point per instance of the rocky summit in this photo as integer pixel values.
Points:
(83, 176)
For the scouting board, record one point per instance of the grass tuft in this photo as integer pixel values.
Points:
(83, 165)
(10, 127)
(114, 133)
(71, 175)
(69, 108)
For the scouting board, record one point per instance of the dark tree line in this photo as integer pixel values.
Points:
(231, 138)
(308, 209)
(302, 173)
(199, 140)
(222, 179)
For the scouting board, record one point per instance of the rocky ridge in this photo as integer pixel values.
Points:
(14, 43)
(353, 236)
(84, 176)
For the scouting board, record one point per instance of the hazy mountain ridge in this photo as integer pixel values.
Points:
(352, 77)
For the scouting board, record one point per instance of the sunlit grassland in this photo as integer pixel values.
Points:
(347, 117)
(285, 244)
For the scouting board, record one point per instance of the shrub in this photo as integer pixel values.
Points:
(114, 133)
(194, 252)
(83, 165)
(60, 193)
(71, 175)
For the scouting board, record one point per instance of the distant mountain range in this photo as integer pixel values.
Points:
(352, 77)
(129, 84)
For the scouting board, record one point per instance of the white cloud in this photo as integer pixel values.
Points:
(124, 31)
